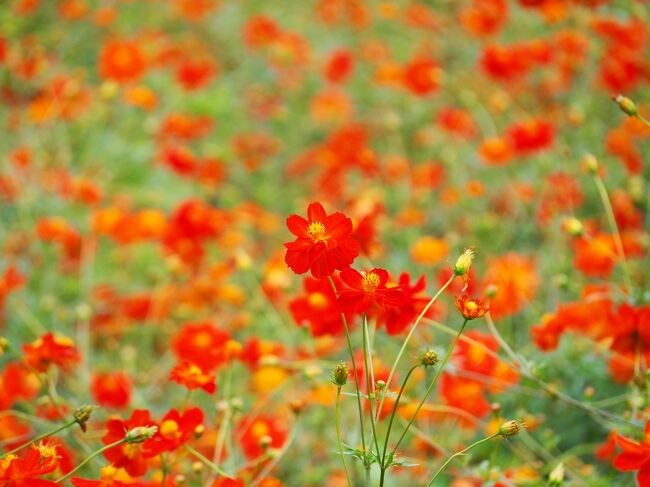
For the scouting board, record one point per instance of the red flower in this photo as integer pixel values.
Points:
(203, 344)
(368, 290)
(318, 308)
(193, 377)
(323, 244)
(112, 389)
(635, 456)
(51, 349)
(40, 459)
(399, 318)
(128, 456)
(175, 429)
(253, 431)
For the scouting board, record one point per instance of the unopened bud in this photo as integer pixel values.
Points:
(236, 404)
(590, 163)
(340, 374)
(198, 431)
(265, 441)
(429, 358)
(140, 434)
(573, 226)
(512, 428)
(626, 105)
(556, 477)
(380, 385)
(464, 262)
(297, 405)
(82, 415)
(4, 345)
(197, 467)
(491, 290)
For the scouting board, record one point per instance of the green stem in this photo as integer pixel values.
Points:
(392, 415)
(337, 420)
(611, 220)
(93, 455)
(450, 349)
(369, 384)
(354, 370)
(205, 461)
(411, 331)
(457, 454)
(40, 437)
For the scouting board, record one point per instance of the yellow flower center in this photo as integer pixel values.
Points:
(471, 306)
(316, 231)
(169, 429)
(47, 452)
(370, 281)
(259, 429)
(317, 300)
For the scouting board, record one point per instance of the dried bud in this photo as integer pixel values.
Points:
(82, 415)
(140, 434)
(590, 163)
(297, 405)
(340, 374)
(429, 358)
(626, 105)
(573, 226)
(556, 477)
(512, 428)
(464, 262)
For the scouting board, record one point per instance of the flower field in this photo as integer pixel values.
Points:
(324, 243)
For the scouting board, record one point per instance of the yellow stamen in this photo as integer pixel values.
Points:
(316, 230)
(370, 281)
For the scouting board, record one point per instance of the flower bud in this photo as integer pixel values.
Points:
(198, 431)
(573, 226)
(82, 415)
(4, 345)
(626, 105)
(590, 163)
(556, 477)
(380, 385)
(340, 374)
(429, 358)
(265, 441)
(197, 467)
(297, 405)
(512, 427)
(464, 262)
(140, 434)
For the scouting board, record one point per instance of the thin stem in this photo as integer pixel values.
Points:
(551, 391)
(611, 220)
(369, 383)
(39, 438)
(457, 454)
(265, 471)
(383, 465)
(207, 462)
(411, 331)
(448, 353)
(93, 455)
(337, 420)
(354, 369)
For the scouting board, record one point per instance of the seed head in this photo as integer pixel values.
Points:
(512, 427)
(140, 434)
(340, 374)
(464, 262)
(429, 358)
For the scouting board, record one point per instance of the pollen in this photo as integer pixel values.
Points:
(47, 452)
(316, 230)
(170, 429)
(370, 281)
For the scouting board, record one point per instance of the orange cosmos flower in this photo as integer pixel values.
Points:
(193, 377)
(122, 61)
(470, 308)
(51, 350)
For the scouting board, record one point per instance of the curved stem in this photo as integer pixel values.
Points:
(93, 455)
(39, 438)
(450, 349)
(611, 220)
(457, 454)
(207, 462)
(411, 331)
(354, 369)
(337, 420)
(383, 465)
